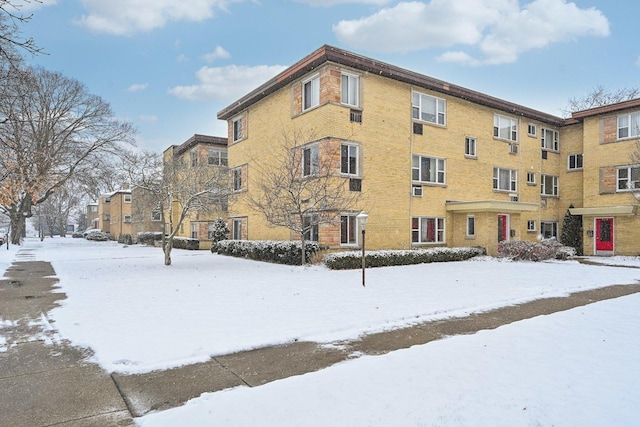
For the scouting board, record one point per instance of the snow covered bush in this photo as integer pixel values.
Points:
(220, 232)
(282, 252)
(520, 250)
(353, 259)
(125, 239)
(186, 243)
(97, 236)
(148, 237)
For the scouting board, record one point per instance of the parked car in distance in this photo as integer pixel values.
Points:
(88, 231)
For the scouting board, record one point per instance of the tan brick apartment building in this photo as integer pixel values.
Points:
(112, 213)
(438, 164)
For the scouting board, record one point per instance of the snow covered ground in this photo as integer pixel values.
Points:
(579, 367)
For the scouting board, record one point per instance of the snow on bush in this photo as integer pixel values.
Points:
(148, 237)
(384, 258)
(520, 250)
(186, 243)
(282, 252)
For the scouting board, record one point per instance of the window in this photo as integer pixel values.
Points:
(350, 90)
(548, 185)
(311, 93)
(156, 215)
(549, 139)
(531, 225)
(470, 147)
(428, 169)
(237, 129)
(217, 157)
(574, 161)
(628, 178)
(505, 179)
(107, 200)
(94, 209)
(127, 218)
(348, 235)
(127, 198)
(237, 179)
(427, 230)
(548, 230)
(471, 226)
(194, 230)
(107, 217)
(428, 108)
(237, 229)
(505, 128)
(531, 129)
(310, 161)
(531, 177)
(349, 159)
(310, 225)
(211, 229)
(628, 125)
(194, 158)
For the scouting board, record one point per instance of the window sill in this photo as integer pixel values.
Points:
(549, 150)
(575, 170)
(531, 184)
(468, 156)
(429, 184)
(444, 126)
(510, 141)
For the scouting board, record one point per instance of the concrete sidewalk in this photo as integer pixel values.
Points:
(45, 381)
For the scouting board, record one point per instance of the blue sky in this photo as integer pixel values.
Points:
(169, 66)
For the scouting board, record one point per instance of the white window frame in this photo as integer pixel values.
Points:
(351, 229)
(437, 170)
(470, 147)
(350, 159)
(531, 225)
(126, 219)
(311, 160)
(575, 159)
(194, 230)
(237, 178)
(127, 198)
(554, 229)
(423, 224)
(531, 178)
(548, 185)
(532, 129)
(94, 209)
(217, 157)
(350, 89)
(550, 139)
(236, 229)
(312, 99)
(503, 124)
(628, 125)
(627, 183)
(237, 129)
(313, 234)
(512, 182)
(436, 108)
(471, 226)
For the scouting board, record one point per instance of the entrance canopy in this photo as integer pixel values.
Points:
(628, 210)
(491, 206)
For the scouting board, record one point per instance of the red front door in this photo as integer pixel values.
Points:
(503, 227)
(604, 234)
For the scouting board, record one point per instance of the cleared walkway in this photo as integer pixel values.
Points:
(46, 382)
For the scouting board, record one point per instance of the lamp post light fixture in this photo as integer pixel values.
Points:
(362, 220)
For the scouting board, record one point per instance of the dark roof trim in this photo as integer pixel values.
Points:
(606, 109)
(332, 54)
(200, 139)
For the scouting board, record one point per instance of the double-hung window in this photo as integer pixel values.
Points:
(548, 229)
(471, 226)
(311, 161)
(311, 93)
(194, 230)
(628, 125)
(310, 226)
(194, 158)
(237, 129)
(548, 185)
(628, 178)
(217, 157)
(505, 128)
(127, 198)
(237, 179)
(237, 229)
(549, 139)
(428, 169)
(349, 159)
(156, 215)
(427, 230)
(350, 90)
(470, 147)
(348, 230)
(505, 179)
(428, 108)
(574, 161)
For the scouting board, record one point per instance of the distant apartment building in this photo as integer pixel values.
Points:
(436, 164)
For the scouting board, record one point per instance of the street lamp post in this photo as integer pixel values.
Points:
(362, 220)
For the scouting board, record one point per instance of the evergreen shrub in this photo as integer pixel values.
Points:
(385, 258)
(281, 252)
(519, 250)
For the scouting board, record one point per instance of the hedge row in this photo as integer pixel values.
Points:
(353, 259)
(148, 237)
(186, 243)
(520, 250)
(281, 252)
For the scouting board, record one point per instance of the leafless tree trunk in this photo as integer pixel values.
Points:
(301, 191)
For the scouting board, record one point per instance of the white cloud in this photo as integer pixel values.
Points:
(328, 3)
(500, 29)
(137, 87)
(226, 83)
(182, 58)
(126, 17)
(148, 118)
(27, 6)
(218, 53)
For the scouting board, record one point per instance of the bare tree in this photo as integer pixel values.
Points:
(10, 37)
(176, 188)
(302, 188)
(52, 129)
(599, 97)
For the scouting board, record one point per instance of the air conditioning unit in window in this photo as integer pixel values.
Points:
(417, 128)
(355, 184)
(544, 154)
(513, 197)
(355, 116)
(513, 148)
(417, 190)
